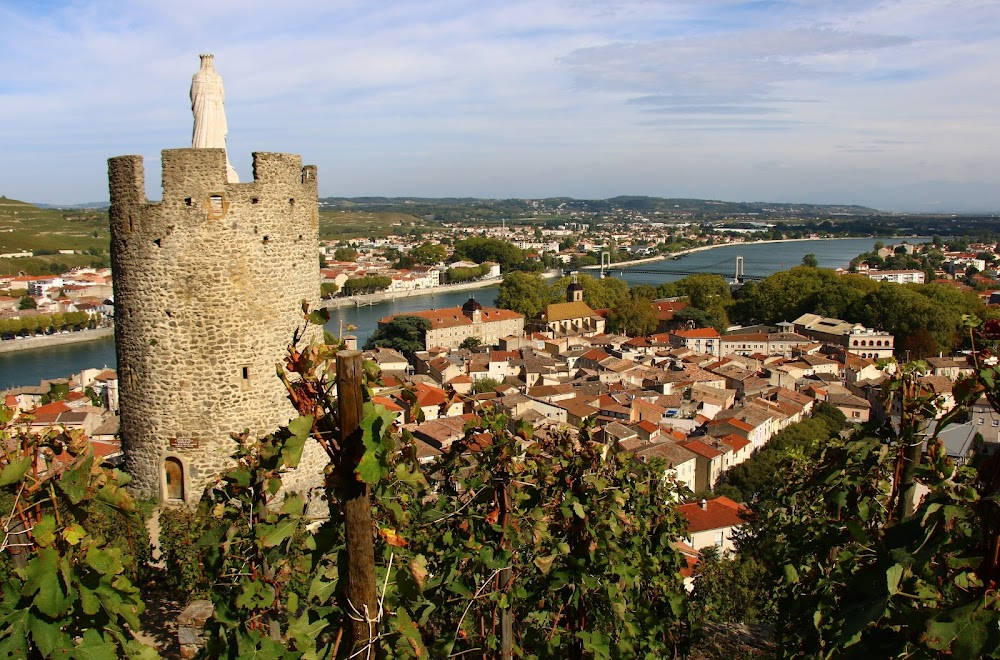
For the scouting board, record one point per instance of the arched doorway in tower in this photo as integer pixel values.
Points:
(173, 479)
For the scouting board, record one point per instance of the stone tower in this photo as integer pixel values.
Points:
(209, 284)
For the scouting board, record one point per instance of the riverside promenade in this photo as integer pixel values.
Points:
(58, 339)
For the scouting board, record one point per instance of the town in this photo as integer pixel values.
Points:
(701, 400)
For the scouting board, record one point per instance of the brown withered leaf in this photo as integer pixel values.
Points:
(418, 569)
(390, 536)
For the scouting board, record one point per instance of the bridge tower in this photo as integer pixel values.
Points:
(605, 263)
(738, 278)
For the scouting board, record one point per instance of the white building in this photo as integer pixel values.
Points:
(897, 276)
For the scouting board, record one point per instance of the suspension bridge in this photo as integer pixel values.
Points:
(737, 273)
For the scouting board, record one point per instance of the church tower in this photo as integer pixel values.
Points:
(574, 292)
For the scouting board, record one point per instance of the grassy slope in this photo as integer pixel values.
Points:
(334, 225)
(27, 228)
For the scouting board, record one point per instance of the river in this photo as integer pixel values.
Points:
(30, 366)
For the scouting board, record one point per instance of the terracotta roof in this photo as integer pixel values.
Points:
(388, 403)
(647, 426)
(702, 449)
(734, 441)
(718, 513)
(449, 317)
(697, 333)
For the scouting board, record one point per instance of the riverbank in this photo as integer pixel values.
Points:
(60, 339)
(368, 299)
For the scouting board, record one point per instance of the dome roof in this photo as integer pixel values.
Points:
(471, 305)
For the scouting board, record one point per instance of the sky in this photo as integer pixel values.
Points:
(893, 104)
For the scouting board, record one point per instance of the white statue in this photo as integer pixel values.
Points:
(207, 97)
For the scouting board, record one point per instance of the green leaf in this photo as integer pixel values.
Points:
(74, 534)
(319, 316)
(892, 577)
(45, 531)
(303, 633)
(291, 452)
(292, 505)
(49, 637)
(962, 631)
(95, 647)
(106, 562)
(13, 471)
(240, 476)
(791, 575)
(74, 480)
(43, 583)
(578, 510)
(281, 531)
(544, 564)
(376, 421)
(300, 428)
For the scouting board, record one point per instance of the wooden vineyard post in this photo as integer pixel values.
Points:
(362, 602)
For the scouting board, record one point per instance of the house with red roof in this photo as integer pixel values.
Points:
(710, 462)
(713, 523)
(699, 340)
(450, 326)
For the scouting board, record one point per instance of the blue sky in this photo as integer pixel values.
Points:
(893, 104)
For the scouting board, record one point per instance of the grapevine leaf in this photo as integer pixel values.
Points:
(544, 564)
(376, 422)
(95, 647)
(281, 531)
(300, 428)
(74, 481)
(13, 471)
(43, 582)
(892, 577)
(74, 534)
(45, 531)
(49, 637)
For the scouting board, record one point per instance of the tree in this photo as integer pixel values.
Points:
(429, 253)
(481, 385)
(632, 316)
(524, 293)
(510, 257)
(328, 289)
(709, 293)
(455, 275)
(810, 261)
(471, 343)
(27, 302)
(345, 254)
(597, 293)
(366, 284)
(406, 334)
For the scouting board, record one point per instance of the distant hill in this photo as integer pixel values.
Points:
(85, 205)
(670, 207)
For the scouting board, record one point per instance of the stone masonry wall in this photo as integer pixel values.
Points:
(209, 285)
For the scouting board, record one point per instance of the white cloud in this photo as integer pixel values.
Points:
(584, 97)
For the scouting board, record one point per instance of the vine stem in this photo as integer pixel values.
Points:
(472, 600)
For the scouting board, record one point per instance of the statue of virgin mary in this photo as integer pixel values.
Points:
(207, 98)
